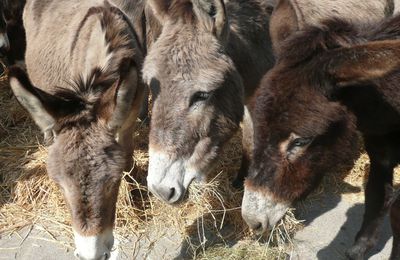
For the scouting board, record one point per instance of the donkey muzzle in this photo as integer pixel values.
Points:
(97, 247)
(261, 212)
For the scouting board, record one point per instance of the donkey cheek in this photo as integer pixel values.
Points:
(293, 182)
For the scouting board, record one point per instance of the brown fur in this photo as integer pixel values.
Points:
(292, 15)
(330, 79)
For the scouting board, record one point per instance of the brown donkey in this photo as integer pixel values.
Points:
(85, 88)
(328, 82)
(208, 58)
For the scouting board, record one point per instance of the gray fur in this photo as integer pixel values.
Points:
(74, 45)
(222, 54)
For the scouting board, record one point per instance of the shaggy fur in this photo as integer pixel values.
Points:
(208, 59)
(329, 80)
(292, 15)
(84, 78)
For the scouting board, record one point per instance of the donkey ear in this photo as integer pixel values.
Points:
(121, 96)
(35, 101)
(283, 23)
(364, 62)
(212, 16)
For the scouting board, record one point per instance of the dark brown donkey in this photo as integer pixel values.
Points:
(84, 87)
(328, 82)
(209, 57)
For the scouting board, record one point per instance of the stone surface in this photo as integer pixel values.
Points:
(331, 226)
(332, 223)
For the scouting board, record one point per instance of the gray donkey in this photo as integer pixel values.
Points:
(84, 60)
(206, 62)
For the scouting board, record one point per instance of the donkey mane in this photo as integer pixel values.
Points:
(335, 33)
(330, 34)
(119, 33)
(388, 29)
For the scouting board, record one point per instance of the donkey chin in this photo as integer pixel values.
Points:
(170, 179)
(96, 247)
(261, 212)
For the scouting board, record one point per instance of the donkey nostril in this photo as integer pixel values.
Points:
(172, 193)
(257, 227)
(167, 194)
(107, 255)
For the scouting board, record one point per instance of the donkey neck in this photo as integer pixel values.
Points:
(249, 44)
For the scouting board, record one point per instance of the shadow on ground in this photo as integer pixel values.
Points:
(345, 237)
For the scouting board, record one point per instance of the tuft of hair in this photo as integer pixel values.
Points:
(85, 95)
(87, 88)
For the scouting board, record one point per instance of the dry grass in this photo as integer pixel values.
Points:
(28, 196)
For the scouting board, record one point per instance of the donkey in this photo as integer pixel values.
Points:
(84, 87)
(208, 58)
(329, 81)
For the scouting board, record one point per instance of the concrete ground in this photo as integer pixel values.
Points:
(331, 225)
(330, 228)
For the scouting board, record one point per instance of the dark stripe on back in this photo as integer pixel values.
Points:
(90, 12)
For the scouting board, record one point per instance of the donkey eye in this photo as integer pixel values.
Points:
(213, 11)
(300, 142)
(199, 96)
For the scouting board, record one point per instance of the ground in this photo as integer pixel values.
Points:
(330, 227)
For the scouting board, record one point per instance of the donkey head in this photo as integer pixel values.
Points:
(299, 135)
(84, 160)
(197, 94)
(301, 130)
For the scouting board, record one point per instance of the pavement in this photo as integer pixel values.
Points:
(330, 227)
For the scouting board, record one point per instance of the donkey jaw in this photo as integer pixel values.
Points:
(96, 247)
(261, 211)
(169, 179)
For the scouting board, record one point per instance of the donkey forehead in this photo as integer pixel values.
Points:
(86, 150)
(190, 60)
(306, 119)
